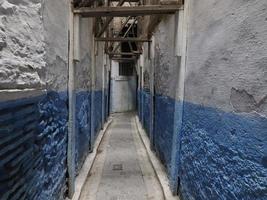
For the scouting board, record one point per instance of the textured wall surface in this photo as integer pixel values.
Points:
(227, 55)
(166, 71)
(33, 74)
(165, 80)
(18, 135)
(34, 99)
(83, 127)
(83, 83)
(52, 141)
(146, 111)
(225, 152)
(97, 111)
(224, 138)
(163, 131)
(21, 52)
(222, 142)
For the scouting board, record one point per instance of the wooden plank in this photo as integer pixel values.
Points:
(124, 53)
(127, 11)
(121, 39)
(108, 21)
(125, 34)
(122, 27)
(171, 2)
(123, 59)
(126, 0)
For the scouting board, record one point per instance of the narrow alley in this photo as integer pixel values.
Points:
(122, 169)
(133, 99)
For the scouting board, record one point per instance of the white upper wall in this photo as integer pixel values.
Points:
(227, 55)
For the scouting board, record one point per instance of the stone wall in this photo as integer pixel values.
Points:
(220, 152)
(165, 80)
(83, 90)
(224, 126)
(34, 111)
(34, 38)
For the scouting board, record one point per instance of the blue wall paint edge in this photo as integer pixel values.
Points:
(52, 109)
(216, 124)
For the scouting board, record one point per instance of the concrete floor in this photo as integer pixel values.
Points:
(122, 170)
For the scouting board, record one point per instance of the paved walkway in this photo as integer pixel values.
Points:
(122, 170)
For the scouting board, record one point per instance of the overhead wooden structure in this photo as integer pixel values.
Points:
(124, 53)
(126, 0)
(124, 59)
(126, 11)
(121, 39)
(105, 11)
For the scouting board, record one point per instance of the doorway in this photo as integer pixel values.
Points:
(123, 87)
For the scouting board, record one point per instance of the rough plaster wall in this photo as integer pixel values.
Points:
(99, 65)
(83, 69)
(33, 54)
(165, 62)
(223, 136)
(53, 108)
(227, 55)
(55, 18)
(146, 69)
(83, 76)
(33, 59)
(166, 73)
(22, 46)
(223, 147)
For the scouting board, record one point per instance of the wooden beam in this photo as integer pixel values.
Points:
(127, 11)
(121, 39)
(126, 0)
(122, 27)
(125, 34)
(124, 53)
(109, 20)
(123, 59)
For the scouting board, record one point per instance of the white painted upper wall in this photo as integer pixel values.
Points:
(227, 55)
(22, 45)
(55, 17)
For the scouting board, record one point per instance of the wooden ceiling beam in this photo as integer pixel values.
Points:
(125, 34)
(125, 0)
(121, 39)
(109, 20)
(124, 53)
(123, 59)
(122, 27)
(127, 11)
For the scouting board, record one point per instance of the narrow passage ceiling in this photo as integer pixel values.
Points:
(125, 24)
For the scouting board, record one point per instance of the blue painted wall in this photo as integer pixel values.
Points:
(33, 147)
(106, 104)
(33, 144)
(146, 110)
(223, 155)
(219, 155)
(53, 128)
(163, 128)
(163, 125)
(139, 103)
(97, 111)
(83, 127)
